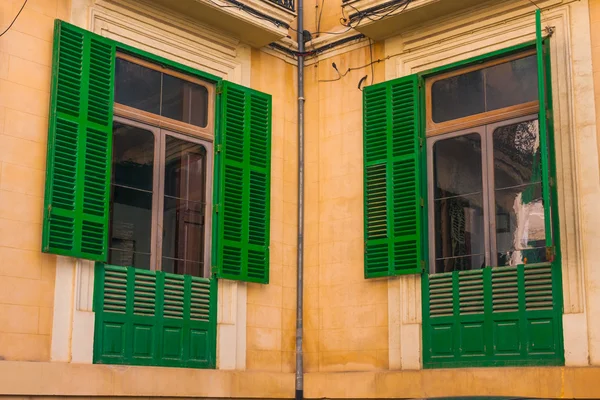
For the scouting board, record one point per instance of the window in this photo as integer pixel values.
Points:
(486, 93)
(160, 186)
(484, 182)
(132, 148)
(163, 97)
(485, 196)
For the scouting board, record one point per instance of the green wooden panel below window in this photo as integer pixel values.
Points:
(154, 318)
(79, 144)
(392, 171)
(493, 317)
(241, 227)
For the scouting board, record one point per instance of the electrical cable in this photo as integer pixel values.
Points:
(15, 19)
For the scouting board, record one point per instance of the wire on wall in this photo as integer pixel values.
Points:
(15, 19)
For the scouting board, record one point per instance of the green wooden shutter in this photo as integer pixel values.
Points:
(544, 125)
(79, 144)
(392, 173)
(243, 177)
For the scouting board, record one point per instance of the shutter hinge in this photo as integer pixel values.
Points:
(218, 148)
(422, 202)
(49, 208)
(365, 247)
(551, 181)
(549, 115)
(550, 253)
(217, 208)
(214, 270)
(422, 265)
(219, 89)
(421, 142)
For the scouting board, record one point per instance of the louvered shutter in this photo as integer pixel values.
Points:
(392, 173)
(79, 144)
(242, 201)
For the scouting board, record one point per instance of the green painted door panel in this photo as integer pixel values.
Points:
(241, 224)
(79, 144)
(492, 317)
(392, 187)
(154, 318)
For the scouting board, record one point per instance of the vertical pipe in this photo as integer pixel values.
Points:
(300, 254)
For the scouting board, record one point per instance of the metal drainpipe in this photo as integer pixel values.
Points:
(300, 254)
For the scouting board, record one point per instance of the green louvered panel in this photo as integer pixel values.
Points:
(470, 292)
(504, 283)
(154, 318)
(538, 287)
(243, 167)
(174, 296)
(492, 317)
(440, 295)
(79, 144)
(392, 178)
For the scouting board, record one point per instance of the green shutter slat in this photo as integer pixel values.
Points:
(392, 178)
(79, 145)
(243, 174)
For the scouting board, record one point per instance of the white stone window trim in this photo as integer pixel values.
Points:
(135, 23)
(483, 30)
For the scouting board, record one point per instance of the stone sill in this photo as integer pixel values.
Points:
(65, 379)
(91, 380)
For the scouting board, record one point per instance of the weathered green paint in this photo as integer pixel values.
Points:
(79, 144)
(241, 228)
(392, 169)
(543, 122)
(154, 318)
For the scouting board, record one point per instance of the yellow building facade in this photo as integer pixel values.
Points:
(363, 338)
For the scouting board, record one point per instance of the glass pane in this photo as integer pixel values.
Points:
(133, 156)
(184, 101)
(511, 83)
(520, 229)
(459, 263)
(137, 86)
(131, 196)
(459, 231)
(458, 96)
(517, 154)
(130, 227)
(457, 166)
(458, 203)
(184, 207)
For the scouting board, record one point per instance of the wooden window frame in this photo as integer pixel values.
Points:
(432, 128)
(158, 188)
(160, 121)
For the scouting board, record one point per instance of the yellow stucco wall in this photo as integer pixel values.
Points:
(346, 316)
(26, 275)
(272, 308)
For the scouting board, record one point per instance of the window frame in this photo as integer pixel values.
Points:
(488, 186)
(162, 126)
(207, 132)
(432, 128)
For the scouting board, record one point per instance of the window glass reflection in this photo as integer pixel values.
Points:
(131, 196)
(458, 204)
(520, 226)
(184, 207)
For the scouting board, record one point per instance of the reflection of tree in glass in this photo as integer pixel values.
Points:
(516, 154)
